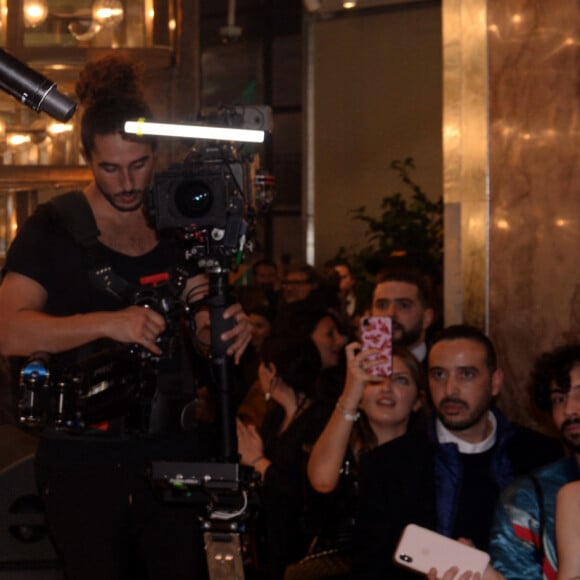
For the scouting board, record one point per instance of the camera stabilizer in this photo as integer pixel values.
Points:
(207, 200)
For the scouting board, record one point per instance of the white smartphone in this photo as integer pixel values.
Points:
(421, 549)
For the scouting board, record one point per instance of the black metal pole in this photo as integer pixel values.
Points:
(222, 365)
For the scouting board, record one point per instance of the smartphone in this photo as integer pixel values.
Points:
(377, 333)
(421, 549)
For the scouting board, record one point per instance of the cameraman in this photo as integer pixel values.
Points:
(103, 516)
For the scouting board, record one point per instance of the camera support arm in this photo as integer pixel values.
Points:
(218, 301)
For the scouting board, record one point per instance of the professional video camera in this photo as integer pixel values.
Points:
(213, 197)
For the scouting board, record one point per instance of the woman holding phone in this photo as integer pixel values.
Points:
(370, 411)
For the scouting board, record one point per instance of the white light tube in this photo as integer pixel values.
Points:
(142, 127)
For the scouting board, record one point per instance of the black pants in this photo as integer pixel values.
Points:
(107, 524)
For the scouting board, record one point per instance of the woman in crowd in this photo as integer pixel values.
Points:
(253, 407)
(321, 324)
(369, 412)
(288, 372)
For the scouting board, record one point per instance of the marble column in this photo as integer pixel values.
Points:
(512, 169)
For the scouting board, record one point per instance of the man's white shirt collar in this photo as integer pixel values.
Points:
(446, 436)
(420, 351)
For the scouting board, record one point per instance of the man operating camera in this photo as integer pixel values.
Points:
(103, 516)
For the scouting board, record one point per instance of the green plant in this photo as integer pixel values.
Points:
(407, 224)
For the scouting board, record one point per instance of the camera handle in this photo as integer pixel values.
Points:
(218, 301)
(222, 539)
(221, 484)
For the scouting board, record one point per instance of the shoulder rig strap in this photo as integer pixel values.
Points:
(76, 216)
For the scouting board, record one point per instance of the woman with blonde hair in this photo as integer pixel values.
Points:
(370, 411)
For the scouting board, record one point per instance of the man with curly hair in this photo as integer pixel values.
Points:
(523, 536)
(103, 516)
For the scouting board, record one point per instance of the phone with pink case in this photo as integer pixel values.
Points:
(377, 334)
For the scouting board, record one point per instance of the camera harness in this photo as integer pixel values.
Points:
(74, 214)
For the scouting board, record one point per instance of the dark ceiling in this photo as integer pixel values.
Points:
(257, 18)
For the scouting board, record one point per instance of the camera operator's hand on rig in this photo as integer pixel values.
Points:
(237, 337)
(240, 334)
(136, 324)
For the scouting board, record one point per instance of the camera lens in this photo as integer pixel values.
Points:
(193, 198)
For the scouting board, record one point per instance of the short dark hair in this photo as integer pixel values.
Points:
(410, 276)
(550, 367)
(338, 262)
(310, 271)
(264, 262)
(468, 332)
(302, 318)
(297, 361)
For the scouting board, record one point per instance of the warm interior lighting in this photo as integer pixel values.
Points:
(348, 4)
(17, 139)
(35, 12)
(194, 132)
(107, 12)
(59, 128)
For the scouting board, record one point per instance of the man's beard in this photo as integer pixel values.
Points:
(473, 417)
(408, 337)
(112, 198)
(571, 441)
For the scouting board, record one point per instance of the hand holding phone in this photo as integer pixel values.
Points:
(377, 334)
(421, 549)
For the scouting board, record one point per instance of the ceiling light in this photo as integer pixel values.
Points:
(108, 12)
(35, 12)
(348, 4)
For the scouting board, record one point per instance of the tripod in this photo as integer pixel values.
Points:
(224, 487)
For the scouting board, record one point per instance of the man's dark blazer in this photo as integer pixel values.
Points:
(415, 479)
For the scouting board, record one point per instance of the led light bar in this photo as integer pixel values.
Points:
(142, 127)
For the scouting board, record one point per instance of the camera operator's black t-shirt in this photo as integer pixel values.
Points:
(45, 251)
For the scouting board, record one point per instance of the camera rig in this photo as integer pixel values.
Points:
(211, 200)
(116, 380)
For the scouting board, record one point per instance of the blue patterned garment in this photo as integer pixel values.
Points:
(516, 548)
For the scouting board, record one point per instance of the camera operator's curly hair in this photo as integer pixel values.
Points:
(553, 367)
(111, 92)
(110, 77)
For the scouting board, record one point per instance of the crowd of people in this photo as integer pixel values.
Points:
(343, 458)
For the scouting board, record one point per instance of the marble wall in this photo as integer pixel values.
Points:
(534, 124)
(524, 281)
